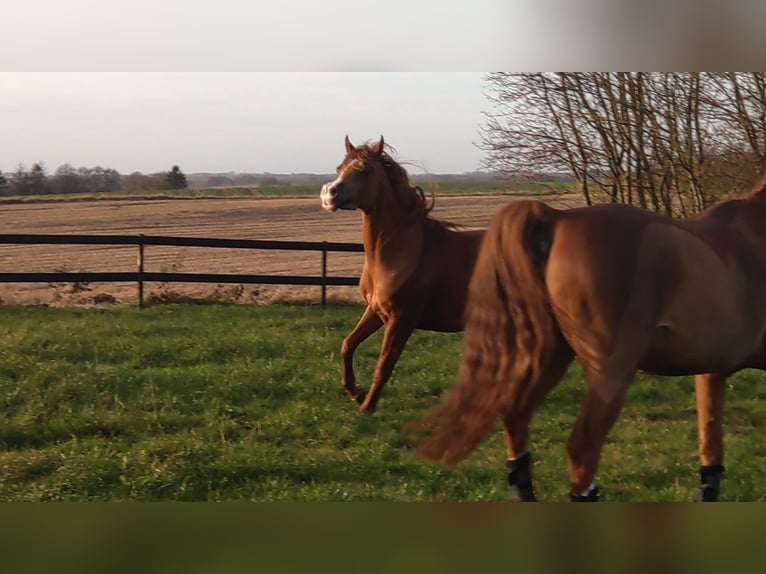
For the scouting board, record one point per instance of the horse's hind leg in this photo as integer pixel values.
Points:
(710, 390)
(604, 399)
(368, 324)
(517, 422)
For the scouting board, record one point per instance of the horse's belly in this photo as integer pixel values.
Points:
(445, 315)
(684, 345)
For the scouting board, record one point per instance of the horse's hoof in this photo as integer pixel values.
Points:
(358, 395)
(594, 495)
(367, 406)
(366, 409)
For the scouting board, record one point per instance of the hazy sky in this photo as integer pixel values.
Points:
(239, 121)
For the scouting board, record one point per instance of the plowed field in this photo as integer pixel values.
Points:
(271, 219)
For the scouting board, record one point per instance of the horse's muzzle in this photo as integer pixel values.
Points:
(333, 197)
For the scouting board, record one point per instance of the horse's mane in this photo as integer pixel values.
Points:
(758, 190)
(411, 196)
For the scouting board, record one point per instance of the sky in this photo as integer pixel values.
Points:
(140, 85)
(278, 122)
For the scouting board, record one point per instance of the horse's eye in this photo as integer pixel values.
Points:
(365, 169)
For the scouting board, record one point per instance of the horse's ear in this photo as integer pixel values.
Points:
(349, 146)
(377, 148)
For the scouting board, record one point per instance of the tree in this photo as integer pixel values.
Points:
(664, 141)
(176, 178)
(38, 179)
(67, 180)
(136, 181)
(32, 182)
(3, 183)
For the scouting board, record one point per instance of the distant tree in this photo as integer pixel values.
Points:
(98, 179)
(176, 178)
(112, 180)
(3, 183)
(136, 181)
(32, 182)
(38, 179)
(219, 181)
(67, 180)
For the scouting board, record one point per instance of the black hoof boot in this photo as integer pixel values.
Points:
(520, 476)
(710, 478)
(593, 496)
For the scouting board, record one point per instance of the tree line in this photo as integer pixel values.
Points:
(670, 142)
(83, 180)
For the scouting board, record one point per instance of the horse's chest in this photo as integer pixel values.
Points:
(383, 306)
(383, 298)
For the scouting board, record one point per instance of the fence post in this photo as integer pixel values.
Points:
(324, 274)
(141, 271)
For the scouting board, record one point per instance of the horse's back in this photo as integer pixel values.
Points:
(621, 277)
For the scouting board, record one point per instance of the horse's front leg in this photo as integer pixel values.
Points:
(709, 391)
(398, 331)
(368, 324)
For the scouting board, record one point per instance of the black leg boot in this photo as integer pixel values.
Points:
(592, 496)
(520, 476)
(710, 477)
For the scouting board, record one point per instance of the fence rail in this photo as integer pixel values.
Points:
(140, 276)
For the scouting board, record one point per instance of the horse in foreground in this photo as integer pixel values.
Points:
(416, 268)
(624, 290)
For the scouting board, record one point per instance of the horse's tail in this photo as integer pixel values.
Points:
(510, 333)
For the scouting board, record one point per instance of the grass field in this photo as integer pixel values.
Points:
(239, 402)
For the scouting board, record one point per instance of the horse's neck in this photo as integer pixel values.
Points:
(392, 245)
(744, 217)
(756, 216)
(387, 235)
(755, 202)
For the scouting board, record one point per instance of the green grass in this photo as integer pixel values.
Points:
(233, 402)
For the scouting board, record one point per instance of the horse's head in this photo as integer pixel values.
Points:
(358, 179)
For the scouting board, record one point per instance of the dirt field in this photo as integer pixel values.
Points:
(283, 219)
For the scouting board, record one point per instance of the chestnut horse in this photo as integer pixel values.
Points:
(624, 290)
(416, 268)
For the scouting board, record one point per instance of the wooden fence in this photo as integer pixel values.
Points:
(140, 276)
